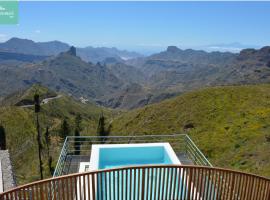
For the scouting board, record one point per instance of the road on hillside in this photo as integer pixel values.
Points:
(44, 101)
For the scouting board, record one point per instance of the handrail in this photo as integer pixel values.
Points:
(181, 143)
(61, 154)
(190, 182)
(198, 150)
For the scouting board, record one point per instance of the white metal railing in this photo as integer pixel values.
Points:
(78, 147)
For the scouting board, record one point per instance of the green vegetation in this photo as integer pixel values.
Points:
(25, 97)
(21, 134)
(231, 125)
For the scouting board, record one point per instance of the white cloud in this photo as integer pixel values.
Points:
(223, 48)
(37, 31)
(3, 37)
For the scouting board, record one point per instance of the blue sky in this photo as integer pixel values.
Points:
(144, 25)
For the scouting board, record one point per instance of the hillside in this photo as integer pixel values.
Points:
(25, 97)
(230, 124)
(65, 72)
(20, 128)
(133, 83)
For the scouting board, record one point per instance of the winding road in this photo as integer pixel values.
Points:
(44, 101)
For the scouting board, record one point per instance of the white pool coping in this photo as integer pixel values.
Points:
(94, 158)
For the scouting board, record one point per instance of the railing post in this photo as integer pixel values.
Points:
(232, 186)
(143, 180)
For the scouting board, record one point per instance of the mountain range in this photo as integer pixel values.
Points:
(53, 48)
(125, 83)
(220, 99)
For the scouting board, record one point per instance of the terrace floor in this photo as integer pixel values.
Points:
(68, 163)
(72, 162)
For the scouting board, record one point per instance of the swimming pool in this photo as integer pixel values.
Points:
(160, 182)
(109, 156)
(129, 183)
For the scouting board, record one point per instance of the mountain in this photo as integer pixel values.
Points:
(126, 73)
(175, 59)
(98, 54)
(111, 82)
(229, 124)
(65, 72)
(250, 66)
(53, 48)
(185, 70)
(8, 56)
(25, 46)
(133, 96)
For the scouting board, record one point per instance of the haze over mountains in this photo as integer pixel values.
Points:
(53, 48)
(122, 79)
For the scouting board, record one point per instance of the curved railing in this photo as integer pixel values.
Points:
(148, 182)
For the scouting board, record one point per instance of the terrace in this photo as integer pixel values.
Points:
(78, 149)
(190, 177)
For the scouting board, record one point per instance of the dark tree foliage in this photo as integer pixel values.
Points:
(47, 137)
(78, 121)
(101, 126)
(64, 129)
(48, 143)
(37, 103)
(77, 143)
(3, 145)
(37, 110)
(51, 168)
(101, 130)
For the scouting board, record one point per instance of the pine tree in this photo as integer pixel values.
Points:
(48, 140)
(101, 126)
(48, 143)
(3, 144)
(37, 110)
(77, 143)
(64, 129)
(101, 130)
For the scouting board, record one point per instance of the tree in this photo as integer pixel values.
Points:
(77, 143)
(37, 110)
(48, 143)
(48, 140)
(101, 126)
(64, 129)
(101, 130)
(3, 145)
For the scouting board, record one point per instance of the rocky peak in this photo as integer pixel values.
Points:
(72, 51)
(172, 49)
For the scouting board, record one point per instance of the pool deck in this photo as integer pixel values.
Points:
(72, 163)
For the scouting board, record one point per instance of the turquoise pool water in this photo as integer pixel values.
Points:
(128, 184)
(130, 156)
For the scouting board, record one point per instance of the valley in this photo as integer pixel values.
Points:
(220, 99)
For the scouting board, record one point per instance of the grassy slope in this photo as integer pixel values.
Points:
(20, 128)
(27, 95)
(232, 124)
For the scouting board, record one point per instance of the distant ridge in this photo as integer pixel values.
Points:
(53, 48)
